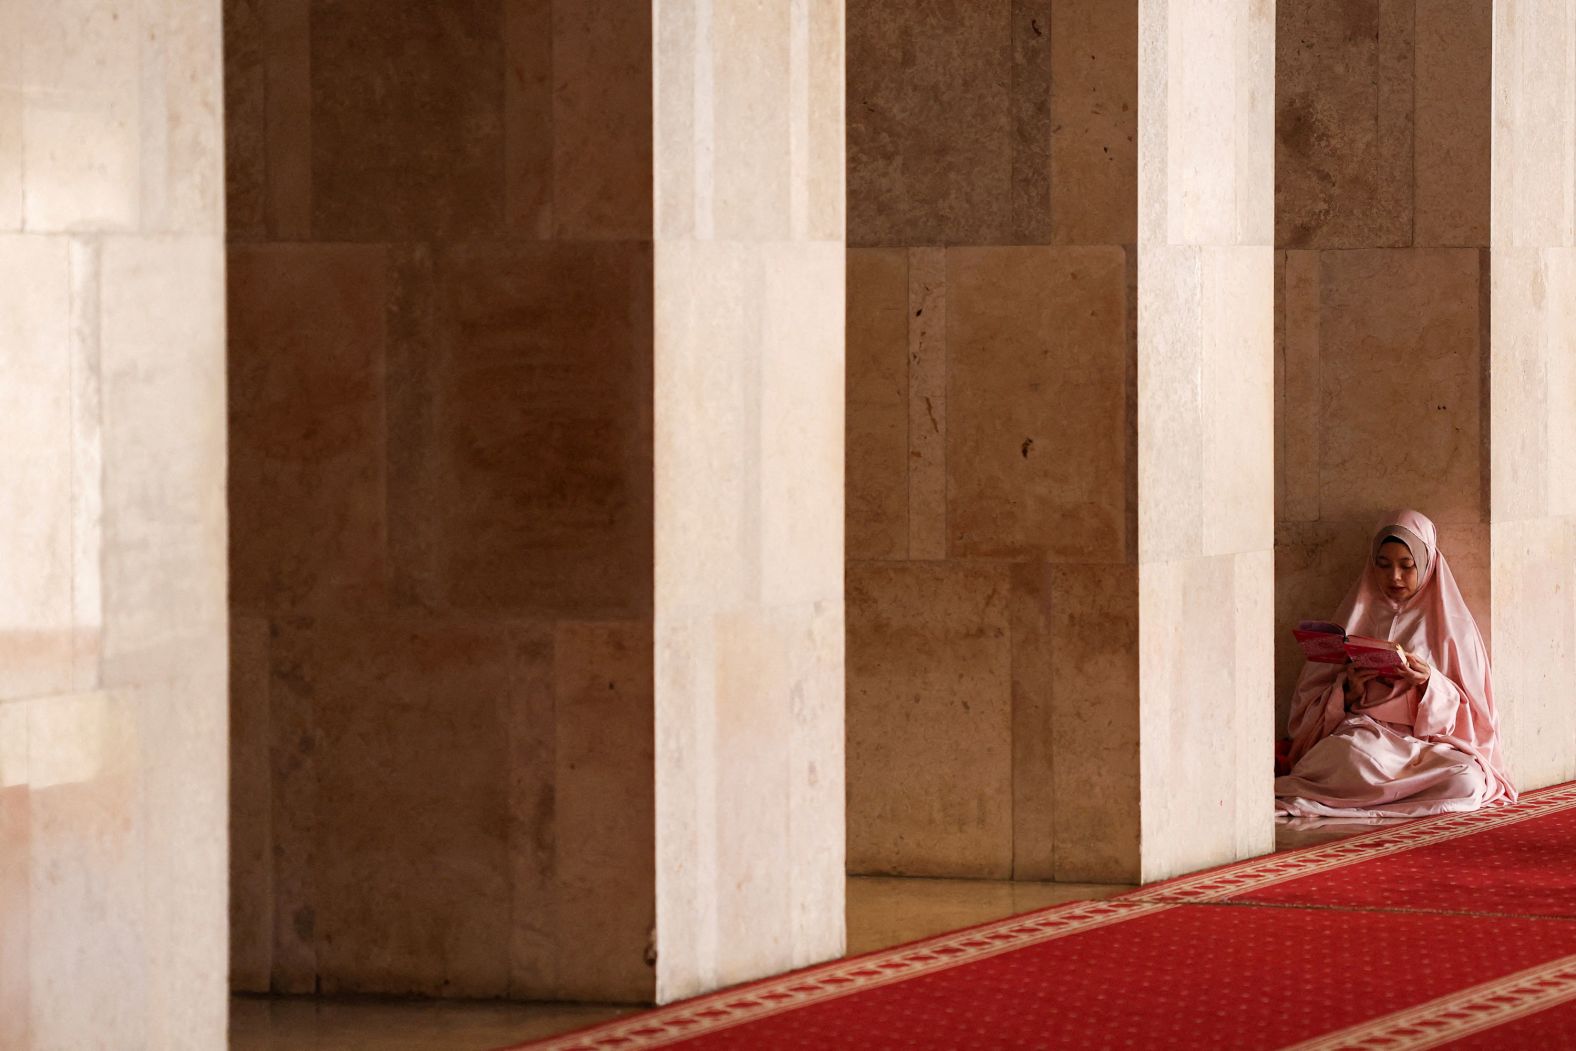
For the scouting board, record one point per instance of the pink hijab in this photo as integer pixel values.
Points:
(1435, 624)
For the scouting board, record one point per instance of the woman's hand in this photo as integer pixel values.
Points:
(1417, 670)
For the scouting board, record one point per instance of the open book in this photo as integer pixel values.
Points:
(1329, 644)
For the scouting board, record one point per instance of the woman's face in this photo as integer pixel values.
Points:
(1395, 571)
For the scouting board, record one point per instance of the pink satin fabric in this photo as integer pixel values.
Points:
(1400, 751)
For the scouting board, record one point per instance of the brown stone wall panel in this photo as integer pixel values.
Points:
(931, 122)
(306, 328)
(245, 119)
(601, 123)
(1033, 724)
(528, 126)
(1036, 403)
(410, 368)
(1032, 65)
(1454, 115)
(251, 795)
(287, 49)
(605, 860)
(877, 407)
(294, 757)
(927, 403)
(409, 845)
(1300, 419)
(542, 380)
(1343, 124)
(1315, 564)
(533, 815)
(1400, 376)
(1094, 156)
(407, 119)
(1094, 710)
(929, 696)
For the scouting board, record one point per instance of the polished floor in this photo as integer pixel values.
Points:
(881, 913)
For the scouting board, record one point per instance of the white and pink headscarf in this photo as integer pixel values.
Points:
(1434, 623)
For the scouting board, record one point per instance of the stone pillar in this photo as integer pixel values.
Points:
(112, 544)
(748, 159)
(1205, 431)
(445, 331)
(1532, 381)
(1036, 476)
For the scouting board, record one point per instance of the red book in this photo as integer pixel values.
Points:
(1328, 643)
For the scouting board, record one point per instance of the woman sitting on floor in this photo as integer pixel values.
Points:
(1427, 743)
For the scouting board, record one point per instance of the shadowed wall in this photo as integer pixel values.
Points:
(992, 584)
(1381, 229)
(440, 423)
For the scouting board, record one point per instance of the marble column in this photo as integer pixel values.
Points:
(112, 546)
(1532, 386)
(1205, 431)
(748, 375)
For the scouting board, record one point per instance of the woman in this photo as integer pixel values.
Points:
(1427, 743)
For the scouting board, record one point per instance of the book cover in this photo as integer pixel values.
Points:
(1326, 643)
(1321, 641)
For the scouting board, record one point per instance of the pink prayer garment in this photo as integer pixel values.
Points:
(1399, 751)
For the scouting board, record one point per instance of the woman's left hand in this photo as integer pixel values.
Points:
(1416, 672)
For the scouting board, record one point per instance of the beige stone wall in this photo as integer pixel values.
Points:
(112, 612)
(440, 423)
(1532, 407)
(992, 587)
(749, 171)
(1381, 226)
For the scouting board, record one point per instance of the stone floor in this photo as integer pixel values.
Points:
(881, 913)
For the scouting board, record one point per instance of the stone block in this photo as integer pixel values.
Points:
(1094, 141)
(604, 830)
(877, 403)
(1094, 719)
(1036, 403)
(1238, 453)
(1401, 371)
(1453, 96)
(1344, 124)
(536, 493)
(1170, 401)
(600, 124)
(307, 425)
(161, 325)
(1535, 648)
(37, 438)
(251, 785)
(406, 120)
(931, 122)
(929, 693)
(402, 728)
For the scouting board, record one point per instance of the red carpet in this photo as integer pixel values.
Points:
(1455, 930)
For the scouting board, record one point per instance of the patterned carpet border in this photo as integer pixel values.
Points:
(1458, 1014)
(1244, 876)
(747, 1003)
